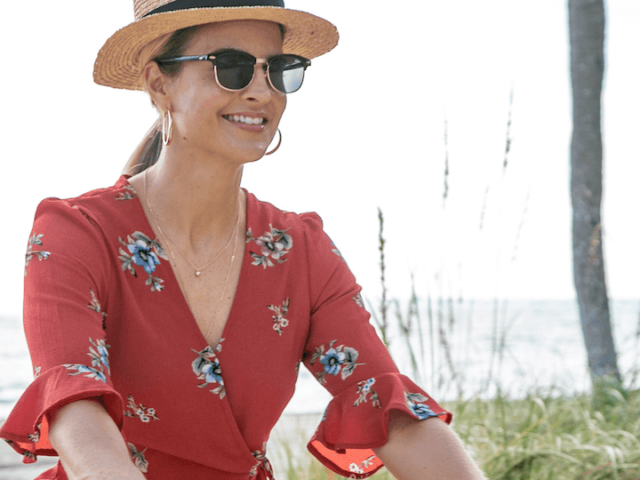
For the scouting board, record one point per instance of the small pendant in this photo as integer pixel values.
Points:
(197, 273)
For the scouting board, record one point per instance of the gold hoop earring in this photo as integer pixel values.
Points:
(167, 127)
(277, 146)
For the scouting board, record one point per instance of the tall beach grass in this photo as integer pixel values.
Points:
(540, 433)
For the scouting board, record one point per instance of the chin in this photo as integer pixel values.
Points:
(248, 155)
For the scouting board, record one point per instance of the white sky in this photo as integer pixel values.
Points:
(366, 131)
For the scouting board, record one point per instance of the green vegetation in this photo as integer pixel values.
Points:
(541, 437)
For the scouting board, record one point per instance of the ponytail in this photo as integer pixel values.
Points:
(147, 152)
(170, 45)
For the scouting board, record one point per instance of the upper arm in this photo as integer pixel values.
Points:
(345, 354)
(66, 290)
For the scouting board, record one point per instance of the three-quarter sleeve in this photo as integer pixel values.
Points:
(345, 354)
(66, 288)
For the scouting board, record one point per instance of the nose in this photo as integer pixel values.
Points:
(260, 88)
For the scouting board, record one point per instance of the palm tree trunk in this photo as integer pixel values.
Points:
(586, 30)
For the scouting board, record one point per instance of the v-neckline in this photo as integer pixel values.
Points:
(174, 278)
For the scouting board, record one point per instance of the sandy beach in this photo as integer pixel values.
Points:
(291, 430)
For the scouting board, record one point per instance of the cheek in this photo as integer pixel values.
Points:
(201, 106)
(281, 105)
(214, 101)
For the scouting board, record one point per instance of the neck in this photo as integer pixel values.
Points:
(196, 201)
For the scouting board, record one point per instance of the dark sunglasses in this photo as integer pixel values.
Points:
(234, 70)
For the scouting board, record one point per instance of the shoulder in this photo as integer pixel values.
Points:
(264, 216)
(77, 226)
(96, 206)
(278, 233)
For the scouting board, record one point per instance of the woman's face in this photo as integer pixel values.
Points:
(204, 114)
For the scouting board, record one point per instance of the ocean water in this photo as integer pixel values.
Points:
(469, 349)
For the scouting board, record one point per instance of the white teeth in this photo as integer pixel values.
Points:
(245, 120)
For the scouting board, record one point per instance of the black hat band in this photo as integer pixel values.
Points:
(189, 4)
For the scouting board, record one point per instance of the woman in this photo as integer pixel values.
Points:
(168, 314)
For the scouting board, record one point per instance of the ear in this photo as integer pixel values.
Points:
(156, 84)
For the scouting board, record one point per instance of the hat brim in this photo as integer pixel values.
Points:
(117, 62)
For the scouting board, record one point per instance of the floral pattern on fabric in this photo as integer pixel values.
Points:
(324, 414)
(95, 306)
(274, 244)
(40, 254)
(128, 194)
(360, 469)
(419, 409)
(36, 371)
(138, 458)
(279, 322)
(207, 367)
(144, 252)
(335, 250)
(35, 436)
(336, 360)
(261, 457)
(29, 457)
(99, 361)
(364, 389)
(358, 300)
(145, 414)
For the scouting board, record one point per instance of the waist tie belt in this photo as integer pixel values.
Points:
(262, 470)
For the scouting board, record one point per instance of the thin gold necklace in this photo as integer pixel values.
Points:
(224, 289)
(197, 271)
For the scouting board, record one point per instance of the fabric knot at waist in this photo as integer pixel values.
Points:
(262, 470)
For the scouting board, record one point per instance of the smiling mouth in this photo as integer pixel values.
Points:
(245, 120)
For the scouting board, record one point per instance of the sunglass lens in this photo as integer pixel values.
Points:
(234, 70)
(286, 72)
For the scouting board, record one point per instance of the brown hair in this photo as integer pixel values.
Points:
(170, 45)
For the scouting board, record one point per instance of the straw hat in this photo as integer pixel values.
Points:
(117, 62)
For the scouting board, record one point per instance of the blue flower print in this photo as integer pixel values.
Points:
(90, 372)
(99, 361)
(422, 411)
(273, 244)
(143, 256)
(145, 414)
(144, 252)
(332, 361)
(206, 366)
(368, 384)
(364, 389)
(99, 355)
(419, 409)
(212, 372)
(336, 360)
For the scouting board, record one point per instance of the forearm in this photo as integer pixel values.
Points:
(89, 443)
(425, 450)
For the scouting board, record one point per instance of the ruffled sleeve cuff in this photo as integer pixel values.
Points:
(356, 421)
(26, 429)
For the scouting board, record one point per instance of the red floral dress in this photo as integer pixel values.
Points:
(105, 318)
